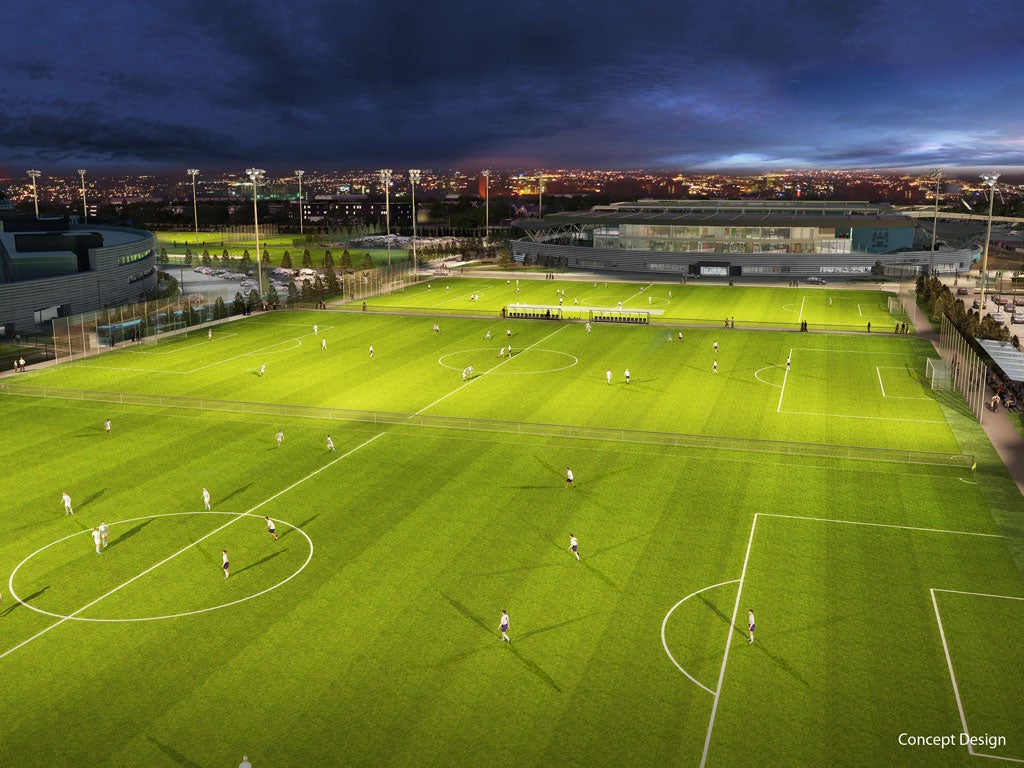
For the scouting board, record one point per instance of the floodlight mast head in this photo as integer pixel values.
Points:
(299, 175)
(85, 209)
(385, 175)
(935, 173)
(989, 179)
(34, 174)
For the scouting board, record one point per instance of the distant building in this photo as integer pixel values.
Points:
(49, 268)
(353, 209)
(730, 238)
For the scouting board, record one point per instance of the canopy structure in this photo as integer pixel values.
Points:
(1008, 358)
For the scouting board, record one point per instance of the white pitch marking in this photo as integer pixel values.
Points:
(664, 642)
(785, 378)
(855, 416)
(880, 384)
(801, 315)
(728, 644)
(882, 525)
(949, 663)
(977, 594)
(769, 383)
(184, 549)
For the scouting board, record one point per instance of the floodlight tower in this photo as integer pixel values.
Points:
(193, 172)
(990, 180)
(385, 175)
(299, 175)
(85, 211)
(540, 194)
(486, 173)
(256, 175)
(414, 176)
(937, 173)
(35, 191)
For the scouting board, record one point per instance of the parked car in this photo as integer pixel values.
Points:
(1018, 317)
(961, 291)
(999, 317)
(816, 281)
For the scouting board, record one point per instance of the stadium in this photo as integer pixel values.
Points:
(819, 480)
(51, 267)
(728, 238)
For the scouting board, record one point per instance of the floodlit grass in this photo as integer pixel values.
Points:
(821, 307)
(375, 641)
(274, 245)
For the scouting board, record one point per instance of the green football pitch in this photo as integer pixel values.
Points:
(822, 307)
(887, 584)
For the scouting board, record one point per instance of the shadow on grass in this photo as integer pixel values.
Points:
(234, 493)
(92, 498)
(535, 668)
(715, 609)
(782, 664)
(467, 613)
(302, 525)
(559, 625)
(129, 533)
(175, 755)
(261, 561)
(585, 562)
(26, 599)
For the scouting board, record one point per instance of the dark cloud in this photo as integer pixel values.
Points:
(592, 83)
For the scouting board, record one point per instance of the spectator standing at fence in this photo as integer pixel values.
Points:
(21, 363)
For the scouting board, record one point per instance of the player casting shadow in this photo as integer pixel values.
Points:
(534, 667)
(92, 498)
(129, 533)
(175, 755)
(234, 493)
(26, 599)
(260, 562)
(468, 614)
(302, 525)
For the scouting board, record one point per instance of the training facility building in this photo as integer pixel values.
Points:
(732, 238)
(51, 268)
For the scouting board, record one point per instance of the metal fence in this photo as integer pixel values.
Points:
(680, 440)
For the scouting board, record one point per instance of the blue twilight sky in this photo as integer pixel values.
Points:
(736, 85)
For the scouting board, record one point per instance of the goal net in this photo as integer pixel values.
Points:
(938, 373)
(896, 308)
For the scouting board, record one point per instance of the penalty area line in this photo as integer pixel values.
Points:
(138, 576)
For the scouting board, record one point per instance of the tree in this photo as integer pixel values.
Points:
(272, 298)
(318, 288)
(246, 262)
(206, 259)
(293, 294)
(331, 280)
(367, 262)
(286, 260)
(163, 253)
(307, 258)
(266, 256)
(225, 258)
(307, 290)
(254, 301)
(188, 258)
(346, 260)
(328, 259)
(877, 268)
(220, 310)
(238, 307)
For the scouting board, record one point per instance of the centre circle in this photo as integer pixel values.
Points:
(559, 361)
(73, 617)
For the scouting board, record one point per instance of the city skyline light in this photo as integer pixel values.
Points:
(745, 87)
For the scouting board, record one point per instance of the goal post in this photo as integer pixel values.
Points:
(938, 373)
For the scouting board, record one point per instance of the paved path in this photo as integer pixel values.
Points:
(1005, 439)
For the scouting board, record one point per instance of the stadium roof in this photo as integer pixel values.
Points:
(1007, 357)
(737, 218)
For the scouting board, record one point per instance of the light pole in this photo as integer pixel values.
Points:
(299, 175)
(85, 211)
(193, 172)
(35, 192)
(990, 181)
(256, 175)
(937, 173)
(385, 180)
(414, 176)
(540, 195)
(487, 204)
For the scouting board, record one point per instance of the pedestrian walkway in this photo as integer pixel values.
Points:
(1001, 433)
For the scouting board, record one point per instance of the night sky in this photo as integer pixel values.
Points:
(728, 85)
